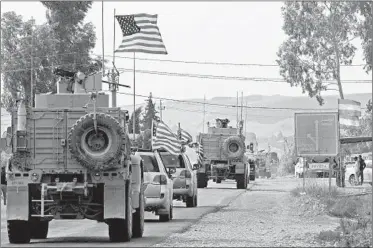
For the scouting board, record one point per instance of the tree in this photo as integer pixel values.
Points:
(318, 43)
(64, 42)
(137, 121)
(150, 114)
(365, 30)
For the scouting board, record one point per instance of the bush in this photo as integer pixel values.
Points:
(316, 189)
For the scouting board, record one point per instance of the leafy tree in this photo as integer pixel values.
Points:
(318, 43)
(150, 113)
(137, 121)
(365, 30)
(64, 42)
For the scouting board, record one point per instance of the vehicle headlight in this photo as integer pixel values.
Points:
(34, 177)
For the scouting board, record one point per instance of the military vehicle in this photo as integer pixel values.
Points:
(71, 159)
(223, 155)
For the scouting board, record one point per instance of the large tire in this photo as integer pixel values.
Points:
(120, 230)
(168, 216)
(39, 229)
(201, 180)
(97, 152)
(19, 232)
(234, 147)
(241, 181)
(138, 218)
(191, 201)
(252, 177)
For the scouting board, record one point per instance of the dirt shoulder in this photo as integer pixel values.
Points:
(267, 215)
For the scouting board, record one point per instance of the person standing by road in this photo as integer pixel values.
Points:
(362, 167)
(340, 171)
(3, 183)
(357, 170)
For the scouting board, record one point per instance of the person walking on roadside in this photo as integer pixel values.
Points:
(362, 167)
(3, 183)
(357, 170)
(340, 173)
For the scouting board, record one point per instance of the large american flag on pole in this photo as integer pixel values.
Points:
(140, 34)
(349, 113)
(164, 138)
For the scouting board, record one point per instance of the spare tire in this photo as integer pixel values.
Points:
(233, 147)
(101, 151)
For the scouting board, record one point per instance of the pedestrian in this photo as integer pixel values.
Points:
(362, 167)
(357, 170)
(340, 173)
(3, 183)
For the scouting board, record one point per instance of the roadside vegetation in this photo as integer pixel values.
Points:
(355, 229)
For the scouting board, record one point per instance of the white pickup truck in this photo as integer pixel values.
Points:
(317, 167)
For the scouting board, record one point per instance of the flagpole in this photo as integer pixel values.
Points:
(134, 93)
(103, 39)
(113, 86)
(151, 135)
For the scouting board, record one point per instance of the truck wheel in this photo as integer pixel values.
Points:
(241, 181)
(120, 230)
(19, 232)
(252, 177)
(101, 150)
(191, 201)
(218, 180)
(39, 229)
(138, 218)
(166, 217)
(201, 180)
(233, 147)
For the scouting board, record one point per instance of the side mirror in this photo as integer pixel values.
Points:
(171, 170)
(195, 167)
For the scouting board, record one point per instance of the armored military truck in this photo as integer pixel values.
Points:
(223, 155)
(71, 159)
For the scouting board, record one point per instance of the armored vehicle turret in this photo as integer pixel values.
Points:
(71, 159)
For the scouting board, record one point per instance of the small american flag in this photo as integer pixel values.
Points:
(184, 136)
(140, 34)
(164, 138)
(200, 153)
(349, 113)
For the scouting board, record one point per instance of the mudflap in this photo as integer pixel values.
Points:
(114, 201)
(17, 207)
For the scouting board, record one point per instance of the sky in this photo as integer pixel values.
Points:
(235, 32)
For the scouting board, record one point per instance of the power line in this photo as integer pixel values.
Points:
(219, 77)
(213, 63)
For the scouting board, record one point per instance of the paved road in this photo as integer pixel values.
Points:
(64, 233)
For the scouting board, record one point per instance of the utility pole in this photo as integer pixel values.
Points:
(32, 65)
(237, 126)
(241, 104)
(161, 108)
(246, 117)
(204, 112)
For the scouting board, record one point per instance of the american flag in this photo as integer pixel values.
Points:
(164, 138)
(200, 153)
(184, 136)
(140, 34)
(349, 113)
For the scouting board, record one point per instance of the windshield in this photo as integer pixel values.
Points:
(170, 160)
(150, 163)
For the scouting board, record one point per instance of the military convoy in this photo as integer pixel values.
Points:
(71, 159)
(223, 155)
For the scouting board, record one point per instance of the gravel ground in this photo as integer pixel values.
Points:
(265, 216)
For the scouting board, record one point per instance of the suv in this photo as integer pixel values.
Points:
(158, 186)
(184, 177)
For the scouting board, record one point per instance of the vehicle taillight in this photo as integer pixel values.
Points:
(186, 174)
(160, 179)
